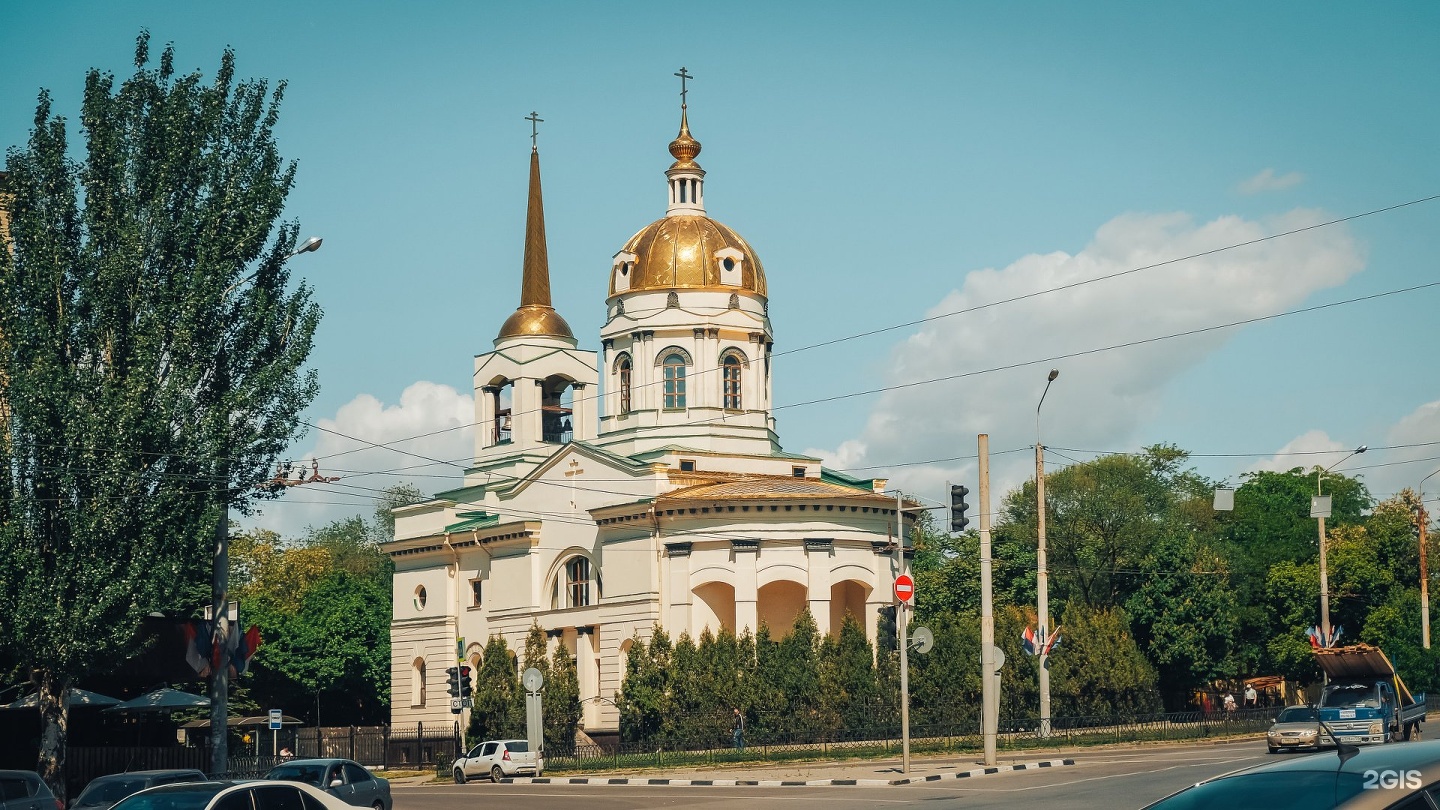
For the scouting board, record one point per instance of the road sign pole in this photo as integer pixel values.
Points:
(904, 642)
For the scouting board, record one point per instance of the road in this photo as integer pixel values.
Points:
(1129, 777)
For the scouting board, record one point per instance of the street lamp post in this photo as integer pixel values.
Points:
(1424, 572)
(1042, 576)
(1324, 575)
(220, 568)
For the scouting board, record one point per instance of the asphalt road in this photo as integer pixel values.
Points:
(1119, 778)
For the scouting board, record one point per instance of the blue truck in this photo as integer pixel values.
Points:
(1364, 701)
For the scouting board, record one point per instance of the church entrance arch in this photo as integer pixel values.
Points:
(714, 607)
(778, 605)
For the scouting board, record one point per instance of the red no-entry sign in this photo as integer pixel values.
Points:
(904, 588)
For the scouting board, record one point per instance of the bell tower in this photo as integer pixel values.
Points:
(533, 391)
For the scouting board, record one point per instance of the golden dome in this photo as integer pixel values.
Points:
(535, 320)
(679, 252)
(684, 148)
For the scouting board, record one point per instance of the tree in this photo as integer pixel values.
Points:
(497, 695)
(153, 354)
(561, 701)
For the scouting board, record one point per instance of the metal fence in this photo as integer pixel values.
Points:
(885, 740)
(418, 746)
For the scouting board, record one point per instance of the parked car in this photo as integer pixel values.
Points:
(498, 759)
(231, 795)
(25, 790)
(1401, 777)
(104, 791)
(1296, 727)
(342, 778)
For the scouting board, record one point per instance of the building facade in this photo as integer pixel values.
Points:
(642, 484)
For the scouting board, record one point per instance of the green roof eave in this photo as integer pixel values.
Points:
(462, 494)
(841, 479)
(472, 520)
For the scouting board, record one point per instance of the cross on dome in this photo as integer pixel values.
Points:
(535, 120)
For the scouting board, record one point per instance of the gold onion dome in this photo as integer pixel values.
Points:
(684, 148)
(679, 251)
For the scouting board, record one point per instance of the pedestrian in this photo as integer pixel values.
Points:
(285, 753)
(739, 731)
(1250, 696)
(1229, 703)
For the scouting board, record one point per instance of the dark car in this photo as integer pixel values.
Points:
(103, 791)
(341, 778)
(231, 795)
(1402, 776)
(25, 790)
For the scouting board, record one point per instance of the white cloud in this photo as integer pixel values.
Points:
(1297, 453)
(424, 408)
(1101, 400)
(1268, 180)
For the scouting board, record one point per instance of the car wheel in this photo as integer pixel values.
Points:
(1409, 731)
(1273, 749)
(378, 805)
(496, 774)
(459, 776)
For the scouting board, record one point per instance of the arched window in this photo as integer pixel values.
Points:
(674, 380)
(417, 682)
(577, 581)
(625, 370)
(731, 372)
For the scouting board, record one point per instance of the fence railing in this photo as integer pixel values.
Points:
(884, 740)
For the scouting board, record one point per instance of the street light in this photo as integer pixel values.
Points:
(220, 572)
(1424, 572)
(1042, 576)
(1324, 576)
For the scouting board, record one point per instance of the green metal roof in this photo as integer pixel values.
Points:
(471, 521)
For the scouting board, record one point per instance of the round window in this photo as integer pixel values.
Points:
(729, 263)
(420, 597)
(625, 269)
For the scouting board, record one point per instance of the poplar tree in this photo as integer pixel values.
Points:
(152, 350)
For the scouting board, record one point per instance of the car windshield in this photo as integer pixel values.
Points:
(311, 773)
(109, 791)
(1297, 714)
(1346, 697)
(192, 796)
(1273, 790)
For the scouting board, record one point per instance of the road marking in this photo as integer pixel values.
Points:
(1095, 778)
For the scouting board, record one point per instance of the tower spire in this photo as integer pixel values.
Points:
(686, 178)
(535, 316)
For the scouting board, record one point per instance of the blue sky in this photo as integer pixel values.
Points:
(887, 162)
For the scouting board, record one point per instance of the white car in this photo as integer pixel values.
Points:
(232, 795)
(498, 759)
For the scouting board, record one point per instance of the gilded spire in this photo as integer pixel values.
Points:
(684, 148)
(535, 315)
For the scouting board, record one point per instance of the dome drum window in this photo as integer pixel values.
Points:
(730, 266)
(622, 270)
(732, 365)
(624, 373)
(674, 362)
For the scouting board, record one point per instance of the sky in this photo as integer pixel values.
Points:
(1217, 220)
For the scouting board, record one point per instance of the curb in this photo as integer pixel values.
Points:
(936, 777)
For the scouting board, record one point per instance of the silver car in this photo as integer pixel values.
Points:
(1297, 727)
(498, 759)
(344, 779)
(25, 790)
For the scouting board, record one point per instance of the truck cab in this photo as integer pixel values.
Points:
(1364, 701)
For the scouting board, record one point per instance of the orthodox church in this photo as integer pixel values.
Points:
(640, 485)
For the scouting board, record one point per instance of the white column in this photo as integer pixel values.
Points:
(817, 589)
(486, 403)
(746, 591)
(677, 593)
(582, 423)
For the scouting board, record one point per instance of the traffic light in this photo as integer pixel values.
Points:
(958, 521)
(465, 688)
(886, 639)
(452, 680)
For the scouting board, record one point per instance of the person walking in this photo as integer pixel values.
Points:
(1251, 698)
(739, 731)
(1229, 703)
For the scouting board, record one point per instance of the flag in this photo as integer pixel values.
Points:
(1053, 643)
(197, 646)
(249, 643)
(1027, 641)
(1318, 640)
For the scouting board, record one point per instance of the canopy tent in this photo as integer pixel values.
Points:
(75, 697)
(162, 700)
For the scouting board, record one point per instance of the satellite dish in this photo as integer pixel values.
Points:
(533, 680)
(921, 639)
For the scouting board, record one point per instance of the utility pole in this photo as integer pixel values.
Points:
(1424, 580)
(989, 681)
(1042, 574)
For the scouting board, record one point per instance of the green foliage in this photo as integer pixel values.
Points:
(561, 701)
(153, 349)
(499, 702)
(1100, 669)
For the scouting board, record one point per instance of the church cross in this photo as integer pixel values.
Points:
(684, 76)
(571, 473)
(535, 121)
